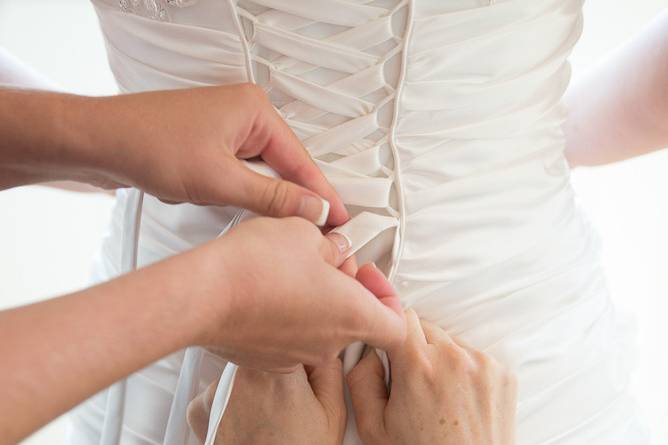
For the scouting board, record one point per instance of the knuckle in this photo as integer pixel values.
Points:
(461, 362)
(327, 355)
(252, 90)
(278, 375)
(430, 377)
(276, 197)
(415, 355)
(483, 360)
(421, 368)
(450, 352)
(446, 348)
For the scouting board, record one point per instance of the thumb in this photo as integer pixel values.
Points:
(266, 194)
(334, 249)
(327, 383)
(360, 314)
(368, 394)
(197, 414)
(379, 319)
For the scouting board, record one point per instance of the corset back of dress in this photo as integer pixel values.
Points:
(439, 124)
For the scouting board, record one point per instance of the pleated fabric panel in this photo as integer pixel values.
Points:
(439, 124)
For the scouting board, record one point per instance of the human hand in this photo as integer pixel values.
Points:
(271, 297)
(303, 407)
(442, 392)
(186, 146)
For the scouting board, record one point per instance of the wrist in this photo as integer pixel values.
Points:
(123, 132)
(198, 282)
(218, 298)
(92, 139)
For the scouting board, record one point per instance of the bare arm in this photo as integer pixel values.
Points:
(16, 74)
(54, 137)
(619, 109)
(58, 352)
(43, 137)
(442, 392)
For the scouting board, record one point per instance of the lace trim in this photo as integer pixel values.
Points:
(153, 9)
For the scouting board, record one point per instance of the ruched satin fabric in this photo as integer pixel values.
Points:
(439, 123)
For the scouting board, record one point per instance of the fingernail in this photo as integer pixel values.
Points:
(324, 214)
(314, 209)
(342, 241)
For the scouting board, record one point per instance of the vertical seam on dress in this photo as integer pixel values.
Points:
(244, 42)
(396, 257)
(114, 416)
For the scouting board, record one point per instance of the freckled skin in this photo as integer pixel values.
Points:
(443, 392)
(277, 409)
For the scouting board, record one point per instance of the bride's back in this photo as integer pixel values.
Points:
(439, 123)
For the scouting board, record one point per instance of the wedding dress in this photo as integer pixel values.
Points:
(439, 124)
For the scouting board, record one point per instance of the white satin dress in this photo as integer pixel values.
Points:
(439, 124)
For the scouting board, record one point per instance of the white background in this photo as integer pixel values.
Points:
(47, 237)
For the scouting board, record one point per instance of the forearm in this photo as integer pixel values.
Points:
(57, 353)
(40, 138)
(620, 109)
(16, 74)
(54, 137)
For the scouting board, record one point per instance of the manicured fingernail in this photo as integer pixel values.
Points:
(314, 209)
(324, 214)
(342, 241)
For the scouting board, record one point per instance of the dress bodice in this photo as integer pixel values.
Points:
(396, 100)
(439, 124)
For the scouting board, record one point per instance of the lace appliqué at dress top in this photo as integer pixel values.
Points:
(153, 9)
